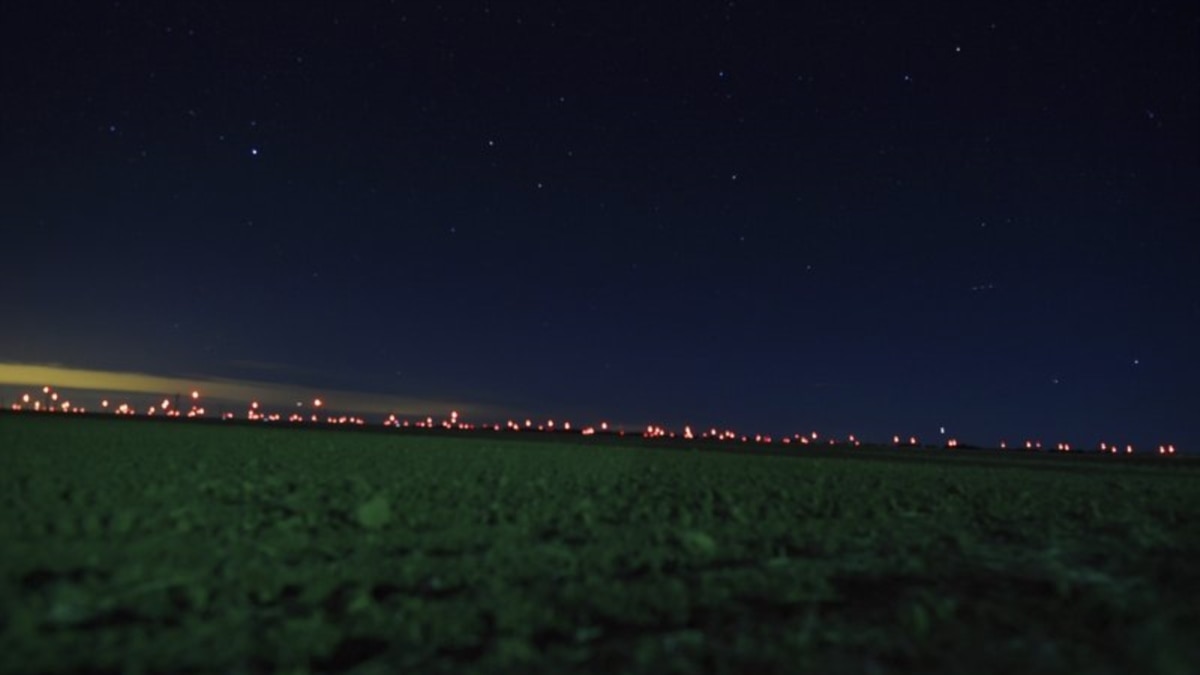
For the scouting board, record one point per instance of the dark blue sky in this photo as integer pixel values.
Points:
(856, 218)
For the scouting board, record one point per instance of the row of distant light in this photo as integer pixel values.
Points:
(1113, 449)
(255, 413)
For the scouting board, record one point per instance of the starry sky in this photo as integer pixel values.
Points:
(851, 217)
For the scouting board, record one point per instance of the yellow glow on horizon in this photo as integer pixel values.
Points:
(234, 391)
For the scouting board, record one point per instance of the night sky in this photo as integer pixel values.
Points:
(778, 217)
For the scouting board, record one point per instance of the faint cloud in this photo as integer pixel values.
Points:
(272, 367)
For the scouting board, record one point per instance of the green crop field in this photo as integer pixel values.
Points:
(145, 547)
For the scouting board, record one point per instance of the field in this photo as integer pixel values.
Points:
(161, 547)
